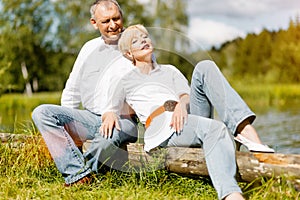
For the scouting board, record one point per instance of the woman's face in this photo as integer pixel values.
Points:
(141, 46)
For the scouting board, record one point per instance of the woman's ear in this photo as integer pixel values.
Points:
(129, 55)
(94, 23)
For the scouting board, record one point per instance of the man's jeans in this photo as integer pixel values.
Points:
(65, 129)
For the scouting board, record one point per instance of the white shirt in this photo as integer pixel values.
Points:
(145, 92)
(88, 82)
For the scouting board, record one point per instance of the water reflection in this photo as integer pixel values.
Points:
(280, 130)
(277, 127)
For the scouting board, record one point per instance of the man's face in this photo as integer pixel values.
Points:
(109, 21)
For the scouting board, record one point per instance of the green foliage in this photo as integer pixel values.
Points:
(46, 36)
(268, 57)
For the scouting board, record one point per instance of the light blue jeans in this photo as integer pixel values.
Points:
(64, 129)
(209, 90)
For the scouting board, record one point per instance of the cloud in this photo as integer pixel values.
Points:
(212, 33)
(213, 22)
(239, 8)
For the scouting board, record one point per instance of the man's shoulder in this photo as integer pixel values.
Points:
(121, 61)
(93, 42)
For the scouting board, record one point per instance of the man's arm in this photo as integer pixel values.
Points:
(71, 96)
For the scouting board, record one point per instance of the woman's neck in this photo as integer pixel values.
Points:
(145, 66)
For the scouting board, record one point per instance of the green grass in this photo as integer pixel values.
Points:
(28, 172)
(265, 96)
(16, 109)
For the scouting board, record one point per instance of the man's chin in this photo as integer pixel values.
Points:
(112, 39)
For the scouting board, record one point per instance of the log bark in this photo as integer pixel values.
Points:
(191, 161)
(250, 166)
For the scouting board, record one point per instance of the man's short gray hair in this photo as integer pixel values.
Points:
(97, 2)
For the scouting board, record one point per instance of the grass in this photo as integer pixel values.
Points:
(262, 97)
(28, 172)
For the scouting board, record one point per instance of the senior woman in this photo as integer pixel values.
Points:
(159, 94)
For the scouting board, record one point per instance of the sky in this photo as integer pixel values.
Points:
(213, 22)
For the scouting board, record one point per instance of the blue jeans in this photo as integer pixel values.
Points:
(210, 90)
(215, 139)
(65, 129)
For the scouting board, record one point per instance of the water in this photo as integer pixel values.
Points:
(280, 129)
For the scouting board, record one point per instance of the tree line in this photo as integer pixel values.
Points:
(267, 57)
(39, 41)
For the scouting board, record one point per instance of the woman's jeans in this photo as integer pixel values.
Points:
(65, 129)
(209, 90)
(218, 148)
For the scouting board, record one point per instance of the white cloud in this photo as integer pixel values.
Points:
(213, 22)
(212, 33)
(239, 8)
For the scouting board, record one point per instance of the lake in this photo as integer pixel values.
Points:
(279, 128)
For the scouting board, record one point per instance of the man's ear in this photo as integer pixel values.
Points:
(94, 23)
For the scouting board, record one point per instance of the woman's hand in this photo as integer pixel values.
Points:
(180, 115)
(109, 121)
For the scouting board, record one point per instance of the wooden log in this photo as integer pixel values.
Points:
(250, 166)
(191, 161)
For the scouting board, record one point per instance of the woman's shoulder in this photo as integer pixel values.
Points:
(169, 68)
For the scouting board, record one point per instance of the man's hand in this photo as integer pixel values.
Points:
(109, 121)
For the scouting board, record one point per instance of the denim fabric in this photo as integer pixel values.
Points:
(65, 129)
(218, 148)
(210, 89)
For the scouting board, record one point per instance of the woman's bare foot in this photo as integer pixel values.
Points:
(249, 138)
(250, 133)
(234, 196)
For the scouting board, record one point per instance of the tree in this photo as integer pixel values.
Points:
(169, 22)
(24, 27)
(45, 36)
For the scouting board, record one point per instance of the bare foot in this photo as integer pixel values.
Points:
(234, 196)
(250, 133)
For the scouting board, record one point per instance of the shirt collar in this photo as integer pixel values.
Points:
(155, 66)
(103, 45)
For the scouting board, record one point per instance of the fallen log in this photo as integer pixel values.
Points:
(191, 161)
(250, 166)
